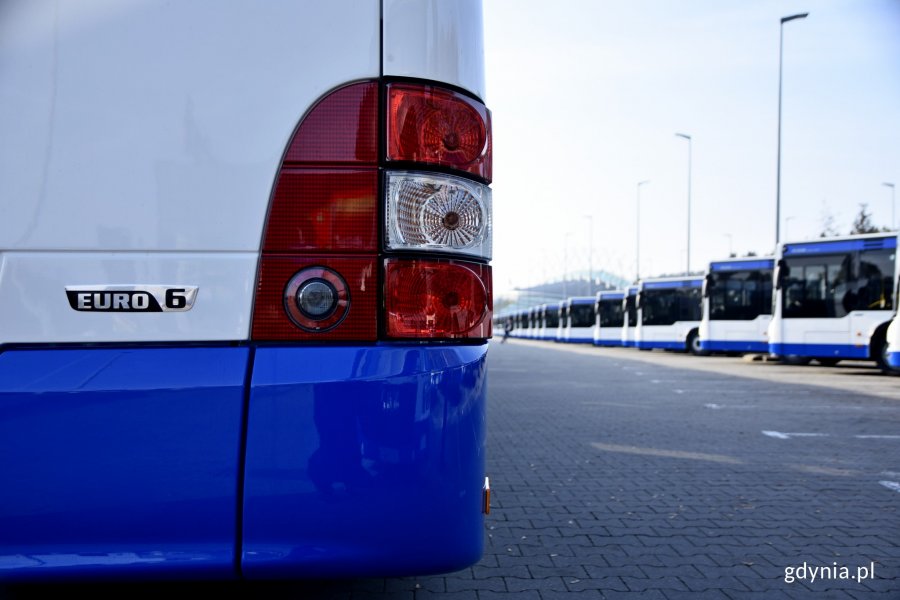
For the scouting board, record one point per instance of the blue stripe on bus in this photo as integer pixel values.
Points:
(840, 246)
(611, 295)
(629, 344)
(684, 283)
(364, 461)
(587, 340)
(733, 346)
(608, 343)
(745, 265)
(580, 301)
(820, 350)
(120, 462)
(658, 344)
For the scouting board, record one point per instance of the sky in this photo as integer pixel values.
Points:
(587, 96)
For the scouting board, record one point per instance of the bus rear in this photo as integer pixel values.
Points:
(834, 299)
(245, 292)
(737, 305)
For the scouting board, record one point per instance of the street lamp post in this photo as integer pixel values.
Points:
(688, 138)
(637, 236)
(778, 172)
(893, 204)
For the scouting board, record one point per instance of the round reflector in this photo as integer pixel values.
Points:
(316, 299)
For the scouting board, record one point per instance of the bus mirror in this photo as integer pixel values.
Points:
(708, 284)
(781, 273)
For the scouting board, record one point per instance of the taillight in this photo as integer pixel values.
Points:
(437, 299)
(437, 212)
(324, 249)
(430, 125)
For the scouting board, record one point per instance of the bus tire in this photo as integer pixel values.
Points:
(828, 362)
(693, 344)
(879, 351)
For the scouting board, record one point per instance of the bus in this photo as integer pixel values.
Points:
(610, 317)
(580, 320)
(834, 299)
(245, 289)
(737, 305)
(630, 315)
(563, 320)
(549, 320)
(669, 314)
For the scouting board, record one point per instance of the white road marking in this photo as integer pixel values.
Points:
(679, 391)
(891, 485)
(713, 406)
(786, 436)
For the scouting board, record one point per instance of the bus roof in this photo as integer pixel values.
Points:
(742, 264)
(846, 244)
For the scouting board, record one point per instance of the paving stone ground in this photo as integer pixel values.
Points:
(621, 478)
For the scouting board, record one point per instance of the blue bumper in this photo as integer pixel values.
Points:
(223, 462)
(820, 350)
(364, 461)
(608, 343)
(733, 346)
(580, 340)
(661, 345)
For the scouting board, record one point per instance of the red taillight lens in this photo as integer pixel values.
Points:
(437, 299)
(324, 210)
(435, 126)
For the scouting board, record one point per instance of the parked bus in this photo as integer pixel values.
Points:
(610, 318)
(630, 316)
(834, 299)
(580, 321)
(245, 291)
(669, 314)
(549, 315)
(737, 305)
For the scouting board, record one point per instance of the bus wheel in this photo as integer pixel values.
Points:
(880, 354)
(828, 362)
(693, 344)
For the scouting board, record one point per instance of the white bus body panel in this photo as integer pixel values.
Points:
(672, 336)
(755, 330)
(435, 39)
(184, 146)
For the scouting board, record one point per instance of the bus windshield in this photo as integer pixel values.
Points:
(611, 313)
(833, 285)
(582, 315)
(666, 306)
(551, 317)
(740, 295)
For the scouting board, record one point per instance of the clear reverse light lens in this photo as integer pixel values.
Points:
(438, 212)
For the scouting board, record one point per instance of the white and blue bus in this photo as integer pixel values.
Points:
(579, 320)
(245, 289)
(610, 318)
(737, 305)
(669, 314)
(630, 316)
(834, 299)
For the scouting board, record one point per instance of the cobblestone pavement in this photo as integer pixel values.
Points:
(616, 477)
